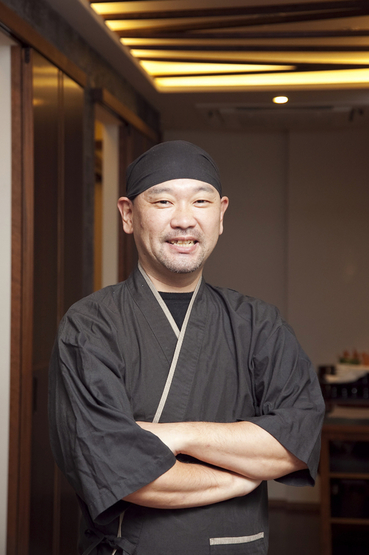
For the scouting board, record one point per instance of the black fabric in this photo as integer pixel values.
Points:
(177, 304)
(171, 160)
(239, 361)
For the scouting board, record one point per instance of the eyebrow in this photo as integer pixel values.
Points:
(201, 188)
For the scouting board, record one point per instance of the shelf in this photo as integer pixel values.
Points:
(349, 475)
(345, 487)
(355, 521)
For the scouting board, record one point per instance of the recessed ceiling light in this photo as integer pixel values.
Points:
(280, 99)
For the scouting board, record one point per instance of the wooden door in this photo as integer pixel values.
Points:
(58, 282)
(47, 277)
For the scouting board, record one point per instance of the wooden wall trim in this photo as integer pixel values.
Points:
(112, 103)
(27, 302)
(16, 292)
(125, 242)
(22, 305)
(24, 32)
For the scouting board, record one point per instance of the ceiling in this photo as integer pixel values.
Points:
(232, 44)
(204, 63)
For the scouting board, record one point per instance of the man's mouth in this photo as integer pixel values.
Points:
(183, 243)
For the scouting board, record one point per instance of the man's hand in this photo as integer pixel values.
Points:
(240, 447)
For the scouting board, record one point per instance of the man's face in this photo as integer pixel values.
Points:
(176, 225)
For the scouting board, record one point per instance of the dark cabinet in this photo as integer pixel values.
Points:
(344, 470)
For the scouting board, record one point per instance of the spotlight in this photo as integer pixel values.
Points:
(280, 99)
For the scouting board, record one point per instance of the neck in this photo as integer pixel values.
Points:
(174, 283)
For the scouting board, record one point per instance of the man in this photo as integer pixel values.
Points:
(172, 401)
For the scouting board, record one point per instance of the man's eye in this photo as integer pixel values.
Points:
(163, 202)
(202, 201)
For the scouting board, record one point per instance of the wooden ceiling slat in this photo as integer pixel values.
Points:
(306, 66)
(266, 57)
(201, 61)
(339, 33)
(239, 22)
(217, 74)
(237, 10)
(227, 12)
(165, 75)
(255, 48)
(234, 46)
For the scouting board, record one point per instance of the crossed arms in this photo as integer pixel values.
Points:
(243, 453)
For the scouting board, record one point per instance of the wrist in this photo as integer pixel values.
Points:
(189, 438)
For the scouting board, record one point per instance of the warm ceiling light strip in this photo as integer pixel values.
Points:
(186, 40)
(183, 68)
(258, 57)
(329, 44)
(106, 8)
(162, 25)
(308, 78)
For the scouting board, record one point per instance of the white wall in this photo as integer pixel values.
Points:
(297, 235)
(5, 280)
(329, 241)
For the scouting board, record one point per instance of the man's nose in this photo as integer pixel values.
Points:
(183, 217)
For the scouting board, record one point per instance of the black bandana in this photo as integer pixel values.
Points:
(171, 160)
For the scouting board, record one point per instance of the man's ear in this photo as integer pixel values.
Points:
(125, 207)
(224, 203)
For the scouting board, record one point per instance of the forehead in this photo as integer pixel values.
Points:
(180, 186)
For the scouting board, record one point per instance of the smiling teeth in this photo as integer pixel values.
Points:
(182, 242)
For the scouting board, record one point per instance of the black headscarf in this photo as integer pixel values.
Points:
(171, 160)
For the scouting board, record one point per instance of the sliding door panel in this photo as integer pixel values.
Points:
(46, 152)
(58, 258)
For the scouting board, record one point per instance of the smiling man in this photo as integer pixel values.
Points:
(172, 401)
(176, 226)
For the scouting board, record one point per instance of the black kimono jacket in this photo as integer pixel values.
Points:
(239, 361)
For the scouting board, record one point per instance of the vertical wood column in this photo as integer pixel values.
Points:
(126, 242)
(22, 303)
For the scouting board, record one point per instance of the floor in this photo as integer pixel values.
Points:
(294, 532)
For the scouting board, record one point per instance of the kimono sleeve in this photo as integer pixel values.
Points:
(103, 453)
(289, 401)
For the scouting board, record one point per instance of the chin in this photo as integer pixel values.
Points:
(183, 270)
(186, 268)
